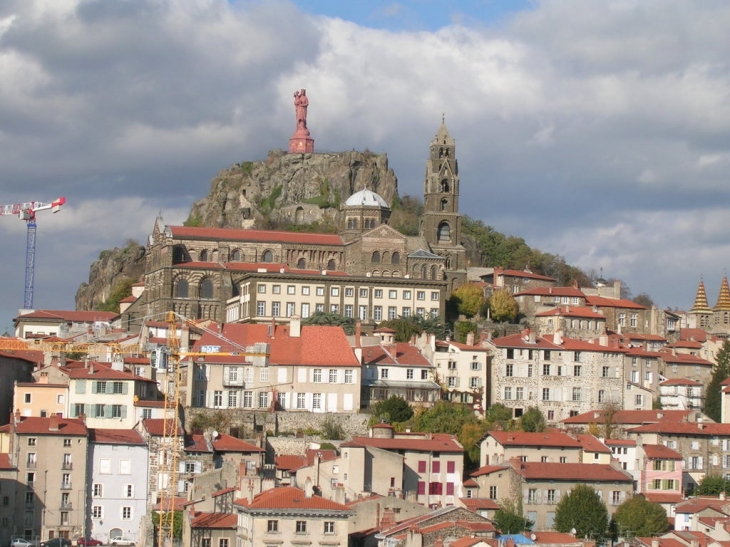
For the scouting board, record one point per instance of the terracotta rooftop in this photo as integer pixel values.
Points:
(289, 497)
(197, 443)
(572, 311)
(526, 274)
(477, 504)
(271, 236)
(42, 426)
(571, 344)
(592, 444)
(553, 291)
(400, 353)
(570, 472)
(289, 462)
(458, 345)
(601, 302)
(214, 520)
(70, 315)
(680, 382)
(661, 497)
(431, 442)
(97, 372)
(5, 462)
(155, 426)
(630, 416)
(684, 428)
(520, 341)
(685, 359)
(661, 452)
(695, 505)
(518, 438)
(227, 443)
(116, 436)
(554, 538)
(488, 470)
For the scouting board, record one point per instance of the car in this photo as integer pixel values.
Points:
(56, 542)
(88, 542)
(121, 540)
(20, 542)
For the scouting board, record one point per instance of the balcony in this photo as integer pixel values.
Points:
(65, 486)
(67, 506)
(232, 382)
(31, 464)
(67, 466)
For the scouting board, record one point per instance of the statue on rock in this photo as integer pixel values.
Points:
(301, 142)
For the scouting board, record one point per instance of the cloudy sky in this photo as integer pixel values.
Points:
(595, 129)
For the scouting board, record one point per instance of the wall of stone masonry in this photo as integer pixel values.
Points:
(247, 424)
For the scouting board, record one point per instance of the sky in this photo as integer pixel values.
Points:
(598, 130)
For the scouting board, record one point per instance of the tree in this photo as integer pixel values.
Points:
(720, 372)
(503, 306)
(644, 299)
(392, 410)
(583, 510)
(177, 524)
(462, 329)
(712, 485)
(122, 290)
(331, 319)
(468, 299)
(509, 520)
(640, 517)
(532, 420)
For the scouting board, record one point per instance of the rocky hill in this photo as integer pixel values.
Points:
(285, 191)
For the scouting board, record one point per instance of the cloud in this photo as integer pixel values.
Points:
(598, 130)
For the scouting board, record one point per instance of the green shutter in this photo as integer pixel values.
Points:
(110, 387)
(80, 386)
(125, 388)
(124, 409)
(107, 411)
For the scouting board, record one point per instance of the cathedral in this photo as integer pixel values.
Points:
(368, 270)
(713, 320)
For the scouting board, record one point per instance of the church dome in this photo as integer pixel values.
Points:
(366, 198)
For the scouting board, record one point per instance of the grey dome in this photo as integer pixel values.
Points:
(366, 198)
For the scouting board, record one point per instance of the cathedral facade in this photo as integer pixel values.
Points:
(368, 270)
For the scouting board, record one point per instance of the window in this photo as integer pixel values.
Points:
(435, 295)
(551, 496)
(476, 365)
(605, 372)
(301, 527)
(601, 396)
(633, 319)
(378, 313)
(532, 495)
(116, 411)
(384, 373)
(126, 513)
(422, 466)
(217, 399)
(261, 288)
(576, 394)
(329, 527)
(335, 291)
(260, 308)
(421, 295)
(317, 376)
(96, 512)
(406, 295)
(32, 441)
(247, 399)
(264, 375)
(409, 374)
(519, 393)
(492, 492)
(546, 394)
(275, 309)
(98, 490)
(105, 466)
(317, 401)
(291, 309)
(392, 313)
(100, 387)
(424, 375)
(333, 376)
(222, 542)
(639, 400)
(576, 370)
(320, 291)
(507, 393)
(436, 466)
(348, 376)
(232, 399)
(272, 526)
(27, 398)
(263, 399)
(118, 387)
(622, 319)
(546, 370)
(509, 370)
(378, 293)
(615, 497)
(301, 400)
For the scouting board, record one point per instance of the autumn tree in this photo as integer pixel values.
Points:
(468, 299)
(639, 517)
(583, 510)
(503, 306)
(720, 372)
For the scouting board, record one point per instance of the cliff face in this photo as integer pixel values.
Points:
(290, 189)
(112, 267)
(281, 192)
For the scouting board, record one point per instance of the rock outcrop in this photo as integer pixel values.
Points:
(112, 267)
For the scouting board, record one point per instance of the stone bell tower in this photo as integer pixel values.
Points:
(441, 220)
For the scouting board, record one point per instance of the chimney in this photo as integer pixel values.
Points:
(655, 542)
(295, 326)
(308, 488)
(53, 422)
(470, 338)
(358, 333)
(91, 368)
(249, 492)
(388, 520)
(82, 418)
(558, 337)
(722, 496)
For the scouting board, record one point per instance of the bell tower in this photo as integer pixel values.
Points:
(441, 220)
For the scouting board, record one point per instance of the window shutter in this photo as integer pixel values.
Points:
(207, 373)
(110, 387)
(198, 467)
(73, 411)
(125, 388)
(208, 399)
(181, 467)
(80, 386)
(458, 381)
(124, 411)
(107, 411)
(701, 466)
(181, 486)
(557, 496)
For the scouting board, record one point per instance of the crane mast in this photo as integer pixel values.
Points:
(27, 211)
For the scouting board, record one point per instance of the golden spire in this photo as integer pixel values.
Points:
(723, 299)
(701, 305)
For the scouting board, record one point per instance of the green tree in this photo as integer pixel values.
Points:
(332, 320)
(456, 419)
(508, 518)
(712, 485)
(122, 289)
(583, 510)
(640, 517)
(392, 410)
(462, 329)
(332, 429)
(499, 413)
(177, 524)
(720, 373)
(533, 420)
(644, 299)
(468, 299)
(503, 306)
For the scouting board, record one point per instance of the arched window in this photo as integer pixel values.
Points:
(301, 263)
(444, 185)
(424, 272)
(236, 255)
(386, 273)
(352, 223)
(375, 258)
(444, 232)
(181, 289)
(331, 265)
(385, 258)
(204, 255)
(206, 288)
(268, 256)
(444, 204)
(434, 272)
(395, 259)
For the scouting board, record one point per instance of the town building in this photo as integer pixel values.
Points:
(62, 323)
(498, 447)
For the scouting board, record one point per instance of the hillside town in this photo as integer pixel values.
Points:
(210, 409)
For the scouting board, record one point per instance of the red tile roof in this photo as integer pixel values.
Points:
(695, 505)
(476, 504)
(289, 497)
(401, 353)
(518, 438)
(277, 268)
(214, 520)
(150, 404)
(686, 344)
(693, 334)
(630, 416)
(223, 492)
(518, 341)
(41, 426)
(522, 273)
(178, 504)
(116, 436)
(155, 426)
(592, 444)
(553, 291)
(602, 302)
(619, 442)
(571, 472)
(102, 372)
(317, 345)
(661, 497)
(226, 443)
(5, 462)
(684, 428)
(572, 311)
(685, 359)
(559, 538)
(431, 442)
(270, 236)
(680, 382)
(661, 452)
(290, 462)
(70, 315)
(197, 443)
(488, 470)
(463, 347)
(572, 344)
(662, 542)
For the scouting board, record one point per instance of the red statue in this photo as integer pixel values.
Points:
(301, 142)
(301, 102)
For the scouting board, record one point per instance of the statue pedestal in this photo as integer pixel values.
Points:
(301, 142)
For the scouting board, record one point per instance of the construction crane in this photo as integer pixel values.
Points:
(26, 212)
